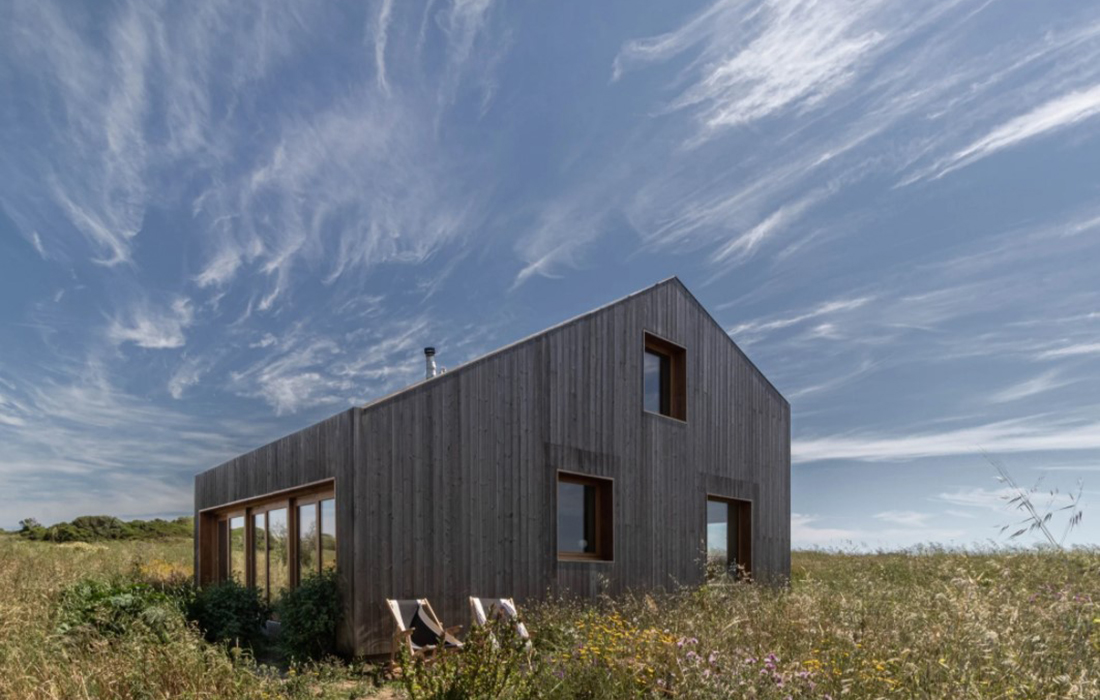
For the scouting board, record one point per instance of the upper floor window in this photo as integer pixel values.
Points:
(585, 527)
(664, 378)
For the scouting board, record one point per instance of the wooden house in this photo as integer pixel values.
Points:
(631, 448)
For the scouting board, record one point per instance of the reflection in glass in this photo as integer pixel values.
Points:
(718, 540)
(328, 534)
(307, 541)
(259, 552)
(655, 374)
(576, 518)
(278, 553)
(237, 549)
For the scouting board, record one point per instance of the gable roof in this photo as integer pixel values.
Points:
(576, 319)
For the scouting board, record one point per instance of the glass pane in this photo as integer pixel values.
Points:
(576, 518)
(652, 382)
(278, 552)
(259, 552)
(734, 556)
(717, 537)
(307, 541)
(223, 550)
(657, 373)
(236, 549)
(328, 534)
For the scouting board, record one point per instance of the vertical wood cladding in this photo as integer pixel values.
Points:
(448, 489)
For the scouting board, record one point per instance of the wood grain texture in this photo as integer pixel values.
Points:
(448, 489)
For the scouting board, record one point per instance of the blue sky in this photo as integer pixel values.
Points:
(222, 221)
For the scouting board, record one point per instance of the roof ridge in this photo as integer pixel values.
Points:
(527, 339)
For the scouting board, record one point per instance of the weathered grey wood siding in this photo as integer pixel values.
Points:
(322, 451)
(450, 487)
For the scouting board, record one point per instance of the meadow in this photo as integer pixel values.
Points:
(921, 624)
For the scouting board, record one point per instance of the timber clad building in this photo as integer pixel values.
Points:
(634, 447)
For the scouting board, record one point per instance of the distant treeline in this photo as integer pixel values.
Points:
(96, 528)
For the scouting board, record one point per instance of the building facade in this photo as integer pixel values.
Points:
(632, 448)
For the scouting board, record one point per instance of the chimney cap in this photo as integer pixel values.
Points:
(429, 351)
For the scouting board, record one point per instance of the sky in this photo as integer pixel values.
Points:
(222, 221)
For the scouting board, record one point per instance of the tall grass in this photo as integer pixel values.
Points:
(923, 624)
(39, 661)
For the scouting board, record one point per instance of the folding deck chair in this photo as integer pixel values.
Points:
(419, 629)
(484, 608)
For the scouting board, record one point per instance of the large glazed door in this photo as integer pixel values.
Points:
(729, 537)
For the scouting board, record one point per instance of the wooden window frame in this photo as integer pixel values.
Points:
(676, 381)
(215, 565)
(225, 544)
(741, 510)
(603, 518)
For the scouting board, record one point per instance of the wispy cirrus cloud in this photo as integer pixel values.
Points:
(910, 529)
(189, 372)
(154, 328)
(381, 29)
(756, 62)
(309, 367)
(1030, 434)
(1059, 113)
(743, 246)
(829, 308)
(1074, 350)
(55, 459)
(1046, 381)
(908, 518)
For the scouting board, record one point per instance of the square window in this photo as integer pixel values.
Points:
(585, 527)
(664, 378)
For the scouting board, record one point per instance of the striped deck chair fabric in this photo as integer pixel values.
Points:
(484, 608)
(421, 629)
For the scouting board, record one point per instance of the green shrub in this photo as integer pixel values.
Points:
(97, 528)
(228, 612)
(308, 616)
(114, 608)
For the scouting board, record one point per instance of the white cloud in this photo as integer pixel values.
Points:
(1075, 350)
(981, 498)
(805, 534)
(265, 342)
(90, 447)
(908, 518)
(828, 308)
(743, 246)
(785, 54)
(148, 327)
(960, 514)
(37, 241)
(381, 27)
(220, 269)
(1058, 113)
(1027, 434)
(1068, 468)
(911, 531)
(186, 375)
(833, 381)
(307, 368)
(1037, 385)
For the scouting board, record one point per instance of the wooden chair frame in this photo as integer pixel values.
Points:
(403, 635)
(505, 607)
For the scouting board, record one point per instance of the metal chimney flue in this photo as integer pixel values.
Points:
(429, 363)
